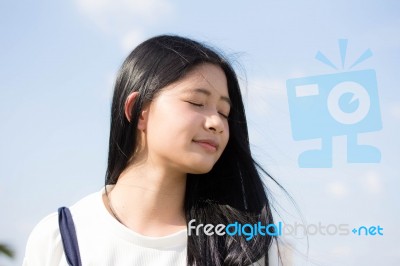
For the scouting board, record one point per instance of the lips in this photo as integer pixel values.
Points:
(208, 144)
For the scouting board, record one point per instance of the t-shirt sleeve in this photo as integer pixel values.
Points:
(44, 246)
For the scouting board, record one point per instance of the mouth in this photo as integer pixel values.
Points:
(207, 144)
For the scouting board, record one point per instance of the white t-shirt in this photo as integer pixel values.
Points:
(103, 241)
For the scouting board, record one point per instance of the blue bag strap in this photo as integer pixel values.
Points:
(68, 236)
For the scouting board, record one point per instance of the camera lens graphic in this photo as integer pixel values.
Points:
(348, 102)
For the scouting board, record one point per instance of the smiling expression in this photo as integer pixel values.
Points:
(187, 125)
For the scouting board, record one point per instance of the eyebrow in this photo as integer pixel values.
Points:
(208, 93)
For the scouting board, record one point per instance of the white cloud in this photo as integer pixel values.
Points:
(337, 189)
(264, 96)
(341, 251)
(270, 87)
(373, 183)
(113, 12)
(131, 39)
(298, 74)
(127, 19)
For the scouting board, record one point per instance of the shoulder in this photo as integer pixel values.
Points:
(46, 228)
(87, 204)
(44, 246)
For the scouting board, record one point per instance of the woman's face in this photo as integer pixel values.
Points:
(187, 128)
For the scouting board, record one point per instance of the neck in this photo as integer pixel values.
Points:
(149, 200)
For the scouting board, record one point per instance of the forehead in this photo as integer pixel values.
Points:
(202, 78)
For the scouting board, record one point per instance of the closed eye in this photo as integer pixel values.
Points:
(224, 116)
(202, 105)
(196, 104)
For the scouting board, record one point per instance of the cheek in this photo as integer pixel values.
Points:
(226, 136)
(171, 126)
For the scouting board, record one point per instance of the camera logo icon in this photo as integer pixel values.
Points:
(338, 104)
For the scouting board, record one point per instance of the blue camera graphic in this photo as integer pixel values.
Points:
(325, 106)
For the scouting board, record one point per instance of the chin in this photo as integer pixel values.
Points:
(200, 169)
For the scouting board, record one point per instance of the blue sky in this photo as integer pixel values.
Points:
(58, 63)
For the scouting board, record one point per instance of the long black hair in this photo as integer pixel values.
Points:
(233, 190)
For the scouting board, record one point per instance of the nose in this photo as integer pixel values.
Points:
(214, 123)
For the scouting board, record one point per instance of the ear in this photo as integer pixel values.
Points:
(142, 123)
(130, 101)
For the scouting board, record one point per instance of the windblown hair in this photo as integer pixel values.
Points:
(233, 190)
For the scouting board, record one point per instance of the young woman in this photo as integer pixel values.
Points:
(178, 153)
